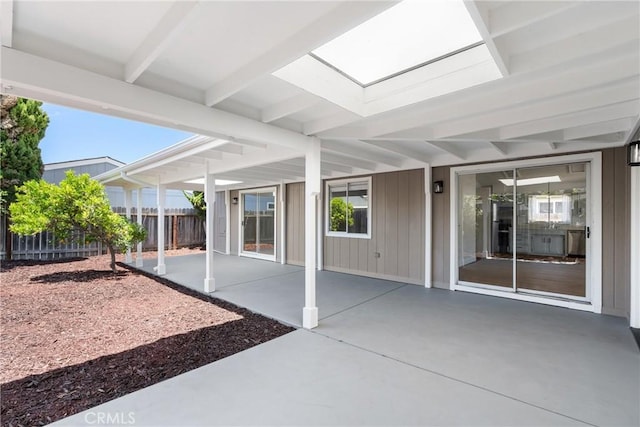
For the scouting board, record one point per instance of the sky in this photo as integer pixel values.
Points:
(76, 134)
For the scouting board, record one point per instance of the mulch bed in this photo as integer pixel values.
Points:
(75, 335)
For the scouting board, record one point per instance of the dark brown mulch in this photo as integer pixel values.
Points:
(74, 336)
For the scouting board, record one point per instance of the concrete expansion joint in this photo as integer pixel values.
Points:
(479, 387)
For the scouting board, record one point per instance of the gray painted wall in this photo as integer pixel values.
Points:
(615, 233)
(295, 223)
(397, 233)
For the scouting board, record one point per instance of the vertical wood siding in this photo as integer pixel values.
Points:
(397, 233)
(295, 223)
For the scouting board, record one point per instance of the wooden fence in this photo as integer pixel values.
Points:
(181, 228)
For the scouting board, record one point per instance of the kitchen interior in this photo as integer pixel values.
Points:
(548, 241)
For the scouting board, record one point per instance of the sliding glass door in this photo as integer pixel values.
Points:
(258, 223)
(525, 230)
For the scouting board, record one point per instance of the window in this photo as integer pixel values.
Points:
(348, 204)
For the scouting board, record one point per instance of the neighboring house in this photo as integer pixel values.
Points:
(55, 172)
(493, 160)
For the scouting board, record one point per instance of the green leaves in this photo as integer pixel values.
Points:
(78, 203)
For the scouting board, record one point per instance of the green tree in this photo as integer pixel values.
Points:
(23, 125)
(78, 203)
(340, 212)
(197, 201)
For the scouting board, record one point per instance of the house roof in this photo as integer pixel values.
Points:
(547, 77)
(70, 164)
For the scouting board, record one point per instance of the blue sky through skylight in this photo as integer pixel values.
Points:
(408, 34)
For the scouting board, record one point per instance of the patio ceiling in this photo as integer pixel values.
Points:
(239, 73)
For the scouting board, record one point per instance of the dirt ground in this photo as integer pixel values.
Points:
(74, 335)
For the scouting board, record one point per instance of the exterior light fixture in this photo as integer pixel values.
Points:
(634, 153)
(438, 187)
(234, 200)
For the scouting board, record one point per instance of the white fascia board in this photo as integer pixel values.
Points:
(64, 82)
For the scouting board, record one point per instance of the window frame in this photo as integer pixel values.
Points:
(327, 207)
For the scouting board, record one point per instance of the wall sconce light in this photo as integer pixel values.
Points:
(234, 200)
(438, 187)
(634, 153)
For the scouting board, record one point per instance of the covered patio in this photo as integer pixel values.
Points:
(388, 353)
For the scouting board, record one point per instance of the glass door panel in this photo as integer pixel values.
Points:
(485, 209)
(550, 229)
(258, 223)
(266, 224)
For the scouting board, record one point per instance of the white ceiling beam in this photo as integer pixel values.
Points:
(174, 160)
(44, 79)
(633, 133)
(553, 145)
(480, 16)
(395, 148)
(6, 22)
(513, 16)
(287, 107)
(505, 93)
(612, 94)
(598, 40)
(348, 161)
(340, 19)
(600, 128)
(448, 148)
(501, 147)
(314, 127)
(582, 118)
(361, 153)
(334, 167)
(171, 24)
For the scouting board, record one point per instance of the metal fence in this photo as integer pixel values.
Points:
(181, 228)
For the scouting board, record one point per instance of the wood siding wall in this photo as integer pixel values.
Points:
(615, 233)
(616, 261)
(396, 248)
(295, 223)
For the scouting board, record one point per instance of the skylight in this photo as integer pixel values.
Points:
(405, 36)
(531, 181)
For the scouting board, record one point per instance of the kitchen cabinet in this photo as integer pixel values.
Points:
(548, 244)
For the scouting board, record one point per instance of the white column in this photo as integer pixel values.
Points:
(634, 283)
(210, 199)
(127, 209)
(283, 224)
(311, 192)
(139, 219)
(227, 233)
(161, 268)
(428, 210)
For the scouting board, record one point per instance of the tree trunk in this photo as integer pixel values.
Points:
(8, 238)
(112, 252)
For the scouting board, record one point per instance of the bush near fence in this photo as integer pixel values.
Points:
(182, 228)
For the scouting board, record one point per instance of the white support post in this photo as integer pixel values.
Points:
(311, 193)
(283, 224)
(161, 268)
(210, 199)
(139, 219)
(428, 210)
(634, 283)
(128, 196)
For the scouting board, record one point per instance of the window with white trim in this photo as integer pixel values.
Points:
(347, 210)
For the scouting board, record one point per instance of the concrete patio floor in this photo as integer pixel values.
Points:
(387, 353)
